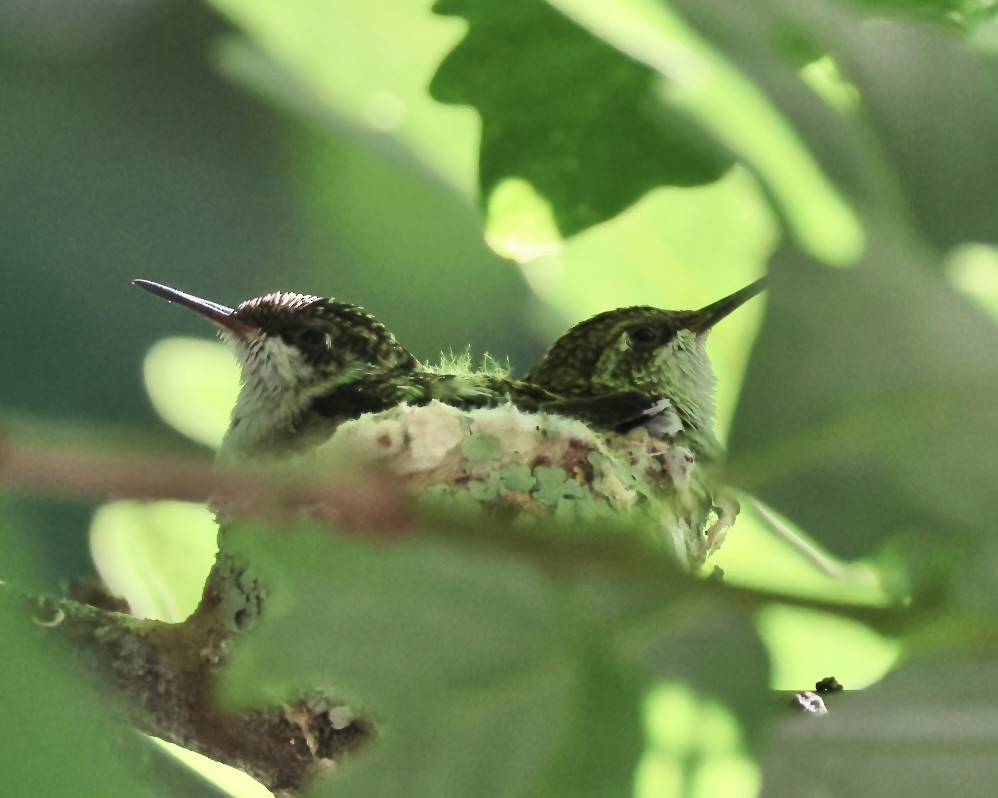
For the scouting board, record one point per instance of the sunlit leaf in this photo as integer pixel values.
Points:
(694, 748)
(193, 384)
(807, 646)
(154, 555)
(697, 80)
(573, 116)
(369, 75)
(852, 419)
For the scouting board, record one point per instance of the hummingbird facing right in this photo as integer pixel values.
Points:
(641, 366)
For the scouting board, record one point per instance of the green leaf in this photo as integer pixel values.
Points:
(155, 555)
(929, 729)
(694, 748)
(573, 116)
(691, 642)
(485, 682)
(490, 671)
(50, 705)
(697, 81)
(358, 68)
(931, 102)
(868, 407)
(193, 385)
(920, 153)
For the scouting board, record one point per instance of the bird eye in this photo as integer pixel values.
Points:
(644, 336)
(312, 338)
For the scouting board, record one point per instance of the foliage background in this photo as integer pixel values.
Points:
(237, 147)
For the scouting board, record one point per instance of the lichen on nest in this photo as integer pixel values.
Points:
(532, 466)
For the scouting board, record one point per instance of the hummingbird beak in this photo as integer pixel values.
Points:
(217, 314)
(701, 321)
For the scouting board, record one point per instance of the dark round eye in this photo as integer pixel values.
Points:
(311, 338)
(644, 336)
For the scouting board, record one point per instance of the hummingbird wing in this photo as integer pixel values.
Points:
(620, 411)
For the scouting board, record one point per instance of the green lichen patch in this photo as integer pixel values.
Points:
(481, 447)
(553, 485)
(517, 478)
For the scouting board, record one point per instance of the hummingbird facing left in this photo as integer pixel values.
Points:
(309, 363)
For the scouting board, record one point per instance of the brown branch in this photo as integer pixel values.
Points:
(368, 503)
(169, 674)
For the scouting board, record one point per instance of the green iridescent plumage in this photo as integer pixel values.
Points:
(641, 366)
(310, 363)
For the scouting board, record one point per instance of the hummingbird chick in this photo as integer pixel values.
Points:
(641, 366)
(309, 363)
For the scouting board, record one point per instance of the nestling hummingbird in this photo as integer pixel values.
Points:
(309, 363)
(641, 366)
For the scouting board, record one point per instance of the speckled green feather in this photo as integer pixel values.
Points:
(642, 365)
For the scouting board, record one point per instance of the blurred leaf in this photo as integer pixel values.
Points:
(571, 115)
(758, 553)
(921, 143)
(193, 385)
(231, 782)
(868, 409)
(933, 106)
(691, 642)
(806, 646)
(488, 674)
(696, 80)
(50, 707)
(973, 268)
(360, 66)
(929, 729)
(20, 563)
(481, 677)
(848, 422)
(155, 555)
(948, 13)
(694, 748)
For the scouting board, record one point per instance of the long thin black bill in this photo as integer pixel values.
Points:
(219, 314)
(702, 320)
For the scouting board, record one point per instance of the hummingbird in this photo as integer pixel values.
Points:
(641, 366)
(308, 363)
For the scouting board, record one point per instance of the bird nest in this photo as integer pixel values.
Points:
(534, 468)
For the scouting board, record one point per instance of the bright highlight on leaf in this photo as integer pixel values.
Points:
(824, 78)
(755, 555)
(193, 385)
(155, 555)
(806, 646)
(973, 268)
(694, 748)
(519, 223)
(370, 72)
(698, 80)
(234, 782)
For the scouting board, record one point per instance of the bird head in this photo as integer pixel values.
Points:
(292, 348)
(644, 349)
